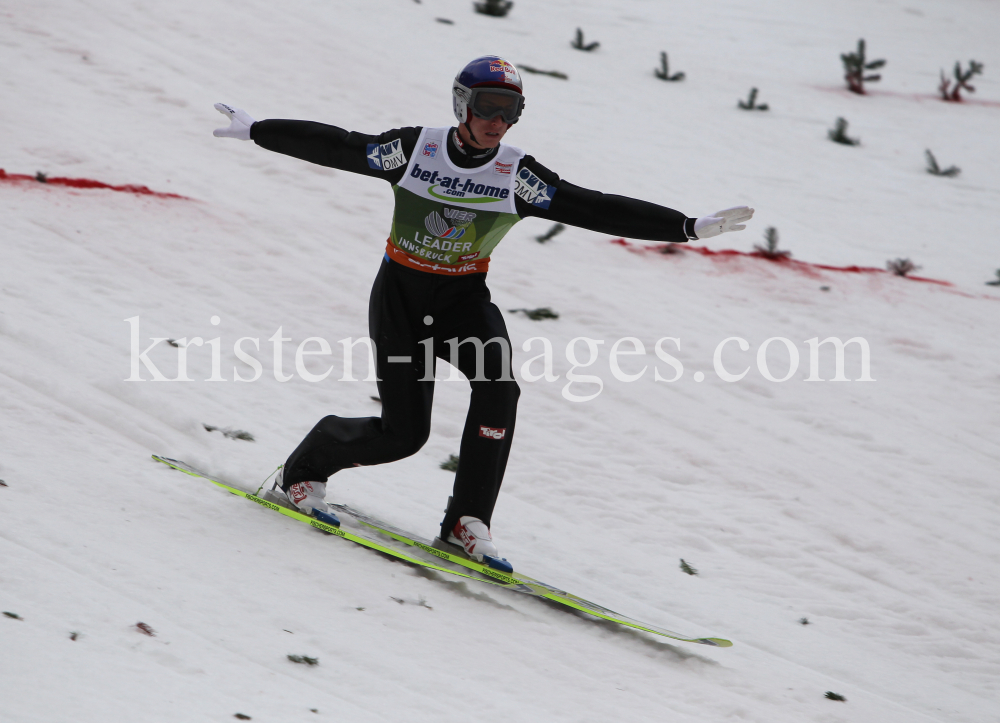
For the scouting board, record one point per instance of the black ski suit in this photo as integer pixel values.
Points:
(408, 306)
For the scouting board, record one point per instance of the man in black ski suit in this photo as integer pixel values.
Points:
(458, 191)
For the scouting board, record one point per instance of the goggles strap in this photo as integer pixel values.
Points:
(472, 135)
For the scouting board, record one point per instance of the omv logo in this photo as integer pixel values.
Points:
(386, 156)
(531, 189)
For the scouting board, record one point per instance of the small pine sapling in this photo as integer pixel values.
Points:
(537, 314)
(15, 616)
(804, 621)
(687, 568)
(241, 716)
(580, 45)
(556, 229)
(901, 267)
(751, 102)
(451, 464)
(663, 72)
(536, 71)
(42, 177)
(995, 282)
(231, 433)
(496, 8)
(303, 659)
(838, 134)
(855, 67)
(935, 170)
(771, 250)
(961, 81)
(445, 21)
(420, 603)
(145, 629)
(835, 696)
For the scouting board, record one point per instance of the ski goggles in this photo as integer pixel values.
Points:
(487, 103)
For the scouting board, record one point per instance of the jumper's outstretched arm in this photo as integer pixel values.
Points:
(570, 204)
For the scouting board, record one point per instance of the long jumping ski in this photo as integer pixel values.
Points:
(422, 552)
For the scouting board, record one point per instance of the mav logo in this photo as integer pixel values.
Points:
(386, 156)
(491, 433)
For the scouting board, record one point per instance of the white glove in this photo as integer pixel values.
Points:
(722, 221)
(239, 123)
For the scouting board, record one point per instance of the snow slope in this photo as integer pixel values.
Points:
(868, 508)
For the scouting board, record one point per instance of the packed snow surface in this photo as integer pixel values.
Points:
(866, 508)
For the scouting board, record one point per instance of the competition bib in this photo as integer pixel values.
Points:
(447, 219)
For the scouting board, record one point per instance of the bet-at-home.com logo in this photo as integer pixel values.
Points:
(386, 156)
(456, 189)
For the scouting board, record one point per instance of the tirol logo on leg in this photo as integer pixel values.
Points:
(491, 432)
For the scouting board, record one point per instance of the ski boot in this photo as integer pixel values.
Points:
(309, 498)
(473, 537)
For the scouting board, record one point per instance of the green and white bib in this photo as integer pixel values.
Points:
(447, 219)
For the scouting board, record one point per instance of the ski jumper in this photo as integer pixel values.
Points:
(453, 205)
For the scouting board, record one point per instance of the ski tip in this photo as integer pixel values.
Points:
(498, 563)
(715, 642)
(327, 517)
(166, 460)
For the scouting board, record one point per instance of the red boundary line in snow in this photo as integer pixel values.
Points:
(87, 183)
(782, 260)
